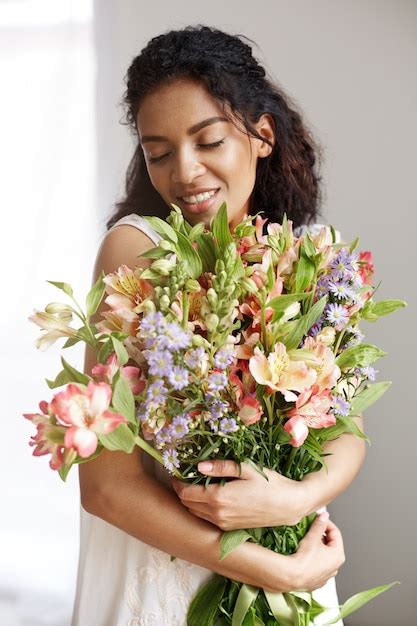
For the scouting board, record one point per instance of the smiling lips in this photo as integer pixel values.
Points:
(202, 196)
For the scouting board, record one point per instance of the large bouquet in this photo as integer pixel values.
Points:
(237, 346)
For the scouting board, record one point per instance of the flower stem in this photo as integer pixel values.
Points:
(144, 445)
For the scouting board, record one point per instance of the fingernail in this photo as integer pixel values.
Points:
(323, 517)
(321, 510)
(205, 466)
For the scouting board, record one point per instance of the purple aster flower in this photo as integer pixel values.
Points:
(223, 358)
(163, 436)
(171, 461)
(340, 406)
(322, 286)
(152, 324)
(228, 425)
(217, 381)
(160, 362)
(337, 315)
(175, 338)
(344, 264)
(342, 289)
(218, 408)
(142, 412)
(157, 391)
(368, 372)
(179, 427)
(195, 357)
(214, 425)
(178, 377)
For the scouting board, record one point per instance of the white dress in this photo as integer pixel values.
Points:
(125, 582)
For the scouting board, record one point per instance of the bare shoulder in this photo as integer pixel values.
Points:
(122, 245)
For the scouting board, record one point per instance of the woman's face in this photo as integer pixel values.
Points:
(190, 148)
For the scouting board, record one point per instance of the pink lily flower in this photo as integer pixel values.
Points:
(310, 411)
(250, 410)
(105, 373)
(86, 413)
(323, 361)
(278, 372)
(49, 438)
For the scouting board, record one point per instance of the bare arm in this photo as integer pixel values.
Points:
(346, 456)
(116, 488)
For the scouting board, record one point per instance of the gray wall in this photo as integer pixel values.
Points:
(352, 68)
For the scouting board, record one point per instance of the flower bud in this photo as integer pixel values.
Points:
(192, 285)
(167, 245)
(248, 285)
(59, 307)
(164, 302)
(212, 321)
(326, 336)
(163, 266)
(212, 297)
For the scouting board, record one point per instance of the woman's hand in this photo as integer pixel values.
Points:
(250, 501)
(319, 555)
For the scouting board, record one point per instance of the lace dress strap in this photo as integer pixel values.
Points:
(141, 224)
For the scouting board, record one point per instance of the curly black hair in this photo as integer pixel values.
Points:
(287, 180)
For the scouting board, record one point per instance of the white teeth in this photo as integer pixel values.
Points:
(199, 197)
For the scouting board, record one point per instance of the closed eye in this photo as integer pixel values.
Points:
(216, 144)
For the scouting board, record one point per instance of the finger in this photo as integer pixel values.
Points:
(191, 493)
(317, 528)
(333, 535)
(223, 468)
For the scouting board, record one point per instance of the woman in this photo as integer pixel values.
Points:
(210, 128)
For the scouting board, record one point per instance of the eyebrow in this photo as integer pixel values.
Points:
(191, 131)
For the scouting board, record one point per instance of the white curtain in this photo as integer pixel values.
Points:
(49, 231)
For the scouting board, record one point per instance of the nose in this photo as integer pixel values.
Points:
(186, 168)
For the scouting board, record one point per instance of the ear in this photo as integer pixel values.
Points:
(266, 128)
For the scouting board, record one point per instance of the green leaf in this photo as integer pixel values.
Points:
(358, 600)
(207, 252)
(354, 244)
(247, 596)
(64, 471)
(368, 396)
(65, 287)
(359, 356)
(71, 341)
(352, 427)
(123, 401)
(196, 231)
(220, 227)
(61, 379)
(154, 253)
(280, 303)
(105, 350)
(187, 253)
(120, 350)
(385, 307)
(309, 247)
(305, 272)
(280, 609)
(73, 374)
(304, 324)
(204, 605)
(314, 313)
(162, 227)
(95, 296)
(121, 438)
(232, 539)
